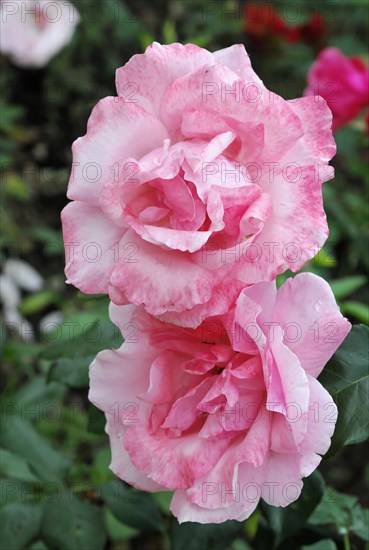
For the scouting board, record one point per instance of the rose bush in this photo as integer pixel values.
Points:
(194, 182)
(31, 32)
(226, 413)
(342, 81)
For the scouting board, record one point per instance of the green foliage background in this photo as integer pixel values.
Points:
(57, 491)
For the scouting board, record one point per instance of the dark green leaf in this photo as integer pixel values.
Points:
(356, 309)
(96, 420)
(19, 437)
(342, 514)
(73, 372)
(282, 523)
(116, 529)
(70, 524)
(20, 523)
(347, 285)
(96, 336)
(324, 544)
(346, 378)
(15, 467)
(193, 536)
(131, 507)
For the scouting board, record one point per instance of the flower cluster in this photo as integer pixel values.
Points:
(191, 191)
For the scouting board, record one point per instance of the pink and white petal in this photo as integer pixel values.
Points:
(242, 463)
(116, 131)
(282, 484)
(90, 242)
(224, 295)
(185, 510)
(295, 231)
(194, 91)
(118, 378)
(281, 127)
(146, 77)
(236, 58)
(321, 424)
(287, 388)
(264, 295)
(189, 456)
(317, 144)
(161, 280)
(307, 304)
(242, 327)
(121, 464)
(167, 378)
(185, 241)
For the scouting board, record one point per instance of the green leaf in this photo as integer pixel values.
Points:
(193, 536)
(335, 508)
(72, 524)
(356, 309)
(342, 514)
(96, 336)
(279, 524)
(131, 507)
(37, 399)
(96, 420)
(20, 437)
(11, 490)
(36, 302)
(163, 501)
(360, 524)
(73, 372)
(20, 523)
(16, 467)
(116, 529)
(347, 285)
(346, 378)
(324, 544)
(169, 32)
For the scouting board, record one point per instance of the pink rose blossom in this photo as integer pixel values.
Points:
(193, 182)
(226, 413)
(31, 32)
(342, 81)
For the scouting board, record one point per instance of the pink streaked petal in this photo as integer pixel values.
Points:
(282, 484)
(185, 510)
(317, 328)
(90, 242)
(295, 231)
(121, 464)
(288, 390)
(145, 77)
(321, 424)
(237, 59)
(189, 456)
(161, 280)
(116, 131)
(317, 145)
(222, 299)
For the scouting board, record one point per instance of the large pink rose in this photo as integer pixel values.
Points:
(31, 32)
(342, 81)
(226, 413)
(193, 182)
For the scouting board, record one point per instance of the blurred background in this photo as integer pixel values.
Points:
(56, 488)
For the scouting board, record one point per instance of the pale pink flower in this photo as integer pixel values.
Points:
(342, 81)
(227, 413)
(32, 32)
(193, 182)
